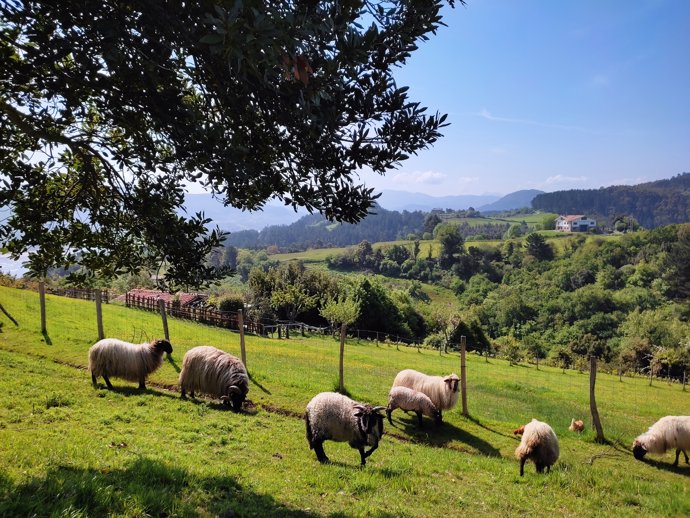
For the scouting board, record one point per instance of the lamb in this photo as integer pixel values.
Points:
(443, 391)
(539, 444)
(133, 362)
(668, 432)
(214, 372)
(332, 416)
(410, 400)
(576, 425)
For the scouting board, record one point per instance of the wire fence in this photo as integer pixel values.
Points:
(497, 392)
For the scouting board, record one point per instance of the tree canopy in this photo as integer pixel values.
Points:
(109, 110)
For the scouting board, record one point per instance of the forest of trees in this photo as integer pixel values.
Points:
(652, 204)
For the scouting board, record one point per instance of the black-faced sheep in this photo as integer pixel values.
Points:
(667, 433)
(333, 417)
(539, 444)
(443, 391)
(216, 373)
(133, 362)
(411, 401)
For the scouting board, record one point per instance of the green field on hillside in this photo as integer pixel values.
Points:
(67, 449)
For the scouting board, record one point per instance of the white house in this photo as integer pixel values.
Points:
(575, 223)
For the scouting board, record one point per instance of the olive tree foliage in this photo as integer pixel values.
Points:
(110, 109)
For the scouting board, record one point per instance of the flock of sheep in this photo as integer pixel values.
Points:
(335, 417)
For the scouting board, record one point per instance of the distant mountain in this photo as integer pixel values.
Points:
(652, 204)
(412, 201)
(233, 220)
(514, 200)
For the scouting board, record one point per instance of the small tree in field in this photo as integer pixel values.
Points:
(344, 312)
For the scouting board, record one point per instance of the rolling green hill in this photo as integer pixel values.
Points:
(67, 449)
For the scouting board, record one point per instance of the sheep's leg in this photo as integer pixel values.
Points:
(419, 416)
(440, 416)
(94, 380)
(522, 467)
(142, 382)
(389, 411)
(675, 464)
(367, 454)
(318, 449)
(686, 457)
(183, 393)
(107, 381)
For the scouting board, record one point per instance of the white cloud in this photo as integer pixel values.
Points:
(486, 114)
(419, 178)
(560, 179)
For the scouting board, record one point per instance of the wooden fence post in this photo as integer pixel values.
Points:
(592, 401)
(164, 318)
(684, 379)
(463, 375)
(42, 298)
(99, 314)
(240, 323)
(341, 383)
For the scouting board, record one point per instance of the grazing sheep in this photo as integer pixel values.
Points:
(410, 400)
(576, 425)
(214, 372)
(133, 362)
(668, 432)
(539, 444)
(332, 416)
(443, 391)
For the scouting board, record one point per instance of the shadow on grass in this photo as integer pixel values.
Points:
(440, 436)
(46, 338)
(172, 362)
(145, 487)
(261, 387)
(681, 469)
(133, 390)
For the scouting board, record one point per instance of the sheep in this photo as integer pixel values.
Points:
(539, 444)
(443, 391)
(214, 372)
(410, 400)
(332, 416)
(668, 432)
(133, 362)
(576, 425)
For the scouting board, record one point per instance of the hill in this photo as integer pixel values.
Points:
(652, 204)
(67, 449)
(413, 201)
(514, 200)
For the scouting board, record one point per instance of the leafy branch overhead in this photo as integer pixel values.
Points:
(108, 110)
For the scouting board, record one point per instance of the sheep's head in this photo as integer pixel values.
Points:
(235, 396)
(452, 382)
(162, 346)
(370, 422)
(639, 451)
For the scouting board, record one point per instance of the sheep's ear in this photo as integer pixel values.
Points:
(225, 400)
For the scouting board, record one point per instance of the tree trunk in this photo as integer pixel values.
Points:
(592, 401)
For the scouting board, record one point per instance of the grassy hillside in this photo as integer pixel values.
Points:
(67, 449)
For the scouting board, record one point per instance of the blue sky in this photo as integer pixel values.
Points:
(551, 95)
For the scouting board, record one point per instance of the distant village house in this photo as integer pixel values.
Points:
(575, 223)
(187, 300)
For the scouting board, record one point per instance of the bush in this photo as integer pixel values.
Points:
(230, 303)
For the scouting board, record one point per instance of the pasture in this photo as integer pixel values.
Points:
(67, 449)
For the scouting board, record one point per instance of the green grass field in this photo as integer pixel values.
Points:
(67, 449)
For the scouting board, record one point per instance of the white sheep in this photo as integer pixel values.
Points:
(443, 391)
(332, 416)
(216, 373)
(133, 362)
(539, 444)
(672, 431)
(411, 400)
